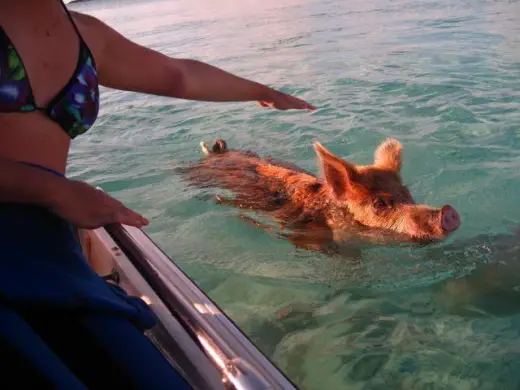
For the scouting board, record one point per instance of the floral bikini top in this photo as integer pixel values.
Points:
(74, 108)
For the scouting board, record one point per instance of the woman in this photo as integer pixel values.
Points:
(49, 95)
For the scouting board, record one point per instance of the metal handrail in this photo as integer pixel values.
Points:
(241, 364)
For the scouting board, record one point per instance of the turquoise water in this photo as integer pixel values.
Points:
(442, 76)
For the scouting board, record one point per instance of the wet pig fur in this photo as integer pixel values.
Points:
(369, 201)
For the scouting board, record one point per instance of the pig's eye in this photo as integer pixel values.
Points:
(381, 204)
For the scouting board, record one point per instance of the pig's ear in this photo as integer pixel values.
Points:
(338, 174)
(388, 155)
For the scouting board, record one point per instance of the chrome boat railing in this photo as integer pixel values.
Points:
(179, 302)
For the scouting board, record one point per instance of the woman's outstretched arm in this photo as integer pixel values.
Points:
(125, 65)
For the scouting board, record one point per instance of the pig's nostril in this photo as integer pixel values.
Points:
(450, 219)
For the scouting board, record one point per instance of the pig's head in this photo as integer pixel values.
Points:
(376, 198)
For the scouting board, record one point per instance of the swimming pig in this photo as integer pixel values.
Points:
(366, 201)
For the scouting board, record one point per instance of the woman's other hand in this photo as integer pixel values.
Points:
(87, 207)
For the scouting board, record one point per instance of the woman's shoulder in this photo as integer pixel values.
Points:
(85, 20)
(92, 30)
(88, 25)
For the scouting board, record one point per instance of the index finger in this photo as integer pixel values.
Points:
(309, 106)
(129, 217)
(304, 104)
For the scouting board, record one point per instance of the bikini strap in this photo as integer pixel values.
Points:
(71, 20)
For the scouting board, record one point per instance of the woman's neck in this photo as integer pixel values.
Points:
(40, 15)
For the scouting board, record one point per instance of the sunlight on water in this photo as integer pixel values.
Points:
(441, 76)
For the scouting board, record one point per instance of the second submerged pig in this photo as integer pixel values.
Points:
(370, 200)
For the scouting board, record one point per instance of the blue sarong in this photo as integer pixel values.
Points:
(52, 302)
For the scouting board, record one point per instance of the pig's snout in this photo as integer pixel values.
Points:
(450, 219)
(428, 223)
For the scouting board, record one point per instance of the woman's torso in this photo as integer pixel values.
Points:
(52, 53)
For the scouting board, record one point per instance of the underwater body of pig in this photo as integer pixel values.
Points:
(350, 200)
